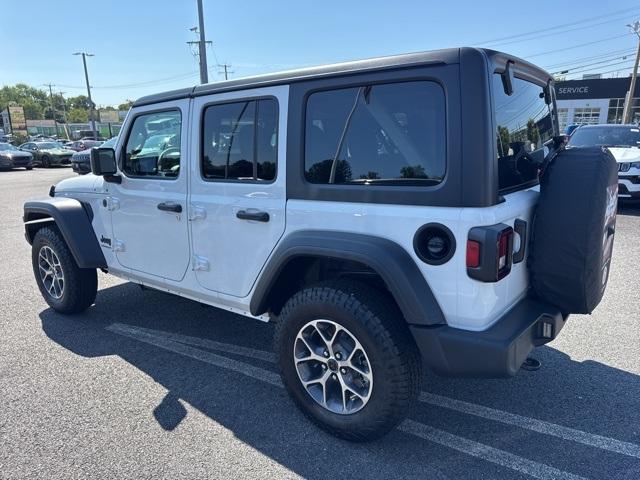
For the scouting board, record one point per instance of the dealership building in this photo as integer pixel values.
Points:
(595, 100)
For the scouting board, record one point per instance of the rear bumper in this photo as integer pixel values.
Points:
(496, 352)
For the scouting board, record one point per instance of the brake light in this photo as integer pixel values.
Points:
(473, 254)
(490, 252)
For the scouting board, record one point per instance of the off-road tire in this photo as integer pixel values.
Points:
(80, 284)
(377, 323)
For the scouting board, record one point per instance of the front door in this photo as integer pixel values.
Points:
(149, 215)
(237, 200)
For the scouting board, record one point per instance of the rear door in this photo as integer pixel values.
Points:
(149, 206)
(237, 195)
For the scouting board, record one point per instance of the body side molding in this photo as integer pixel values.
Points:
(74, 222)
(392, 262)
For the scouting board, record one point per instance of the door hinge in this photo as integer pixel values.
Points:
(118, 246)
(197, 213)
(200, 264)
(111, 203)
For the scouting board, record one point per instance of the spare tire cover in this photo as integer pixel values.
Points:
(573, 229)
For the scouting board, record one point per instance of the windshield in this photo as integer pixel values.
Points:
(606, 136)
(46, 145)
(7, 146)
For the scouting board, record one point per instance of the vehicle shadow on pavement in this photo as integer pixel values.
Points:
(587, 396)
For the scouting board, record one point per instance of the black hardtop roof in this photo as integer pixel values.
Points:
(447, 56)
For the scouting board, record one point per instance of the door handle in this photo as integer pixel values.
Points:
(257, 216)
(170, 207)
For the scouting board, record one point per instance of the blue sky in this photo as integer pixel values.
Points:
(144, 42)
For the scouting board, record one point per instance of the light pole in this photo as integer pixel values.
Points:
(626, 115)
(86, 77)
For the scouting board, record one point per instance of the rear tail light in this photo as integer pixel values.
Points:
(490, 252)
(473, 254)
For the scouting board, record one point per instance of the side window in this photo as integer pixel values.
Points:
(153, 146)
(391, 134)
(240, 141)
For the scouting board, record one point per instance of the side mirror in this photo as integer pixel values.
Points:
(103, 162)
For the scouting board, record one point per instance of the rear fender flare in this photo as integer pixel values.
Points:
(393, 263)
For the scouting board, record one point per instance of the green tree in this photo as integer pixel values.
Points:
(126, 105)
(78, 115)
(533, 134)
(503, 141)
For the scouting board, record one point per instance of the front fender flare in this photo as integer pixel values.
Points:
(388, 259)
(73, 219)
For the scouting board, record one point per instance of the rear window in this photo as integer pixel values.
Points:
(524, 122)
(391, 134)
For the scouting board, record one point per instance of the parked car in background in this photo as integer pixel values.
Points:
(571, 128)
(80, 161)
(623, 141)
(12, 157)
(48, 154)
(80, 145)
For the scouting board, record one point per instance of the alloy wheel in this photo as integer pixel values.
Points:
(333, 366)
(51, 273)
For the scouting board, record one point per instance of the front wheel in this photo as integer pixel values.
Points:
(347, 359)
(46, 162)
(66, 287)
(29, 168)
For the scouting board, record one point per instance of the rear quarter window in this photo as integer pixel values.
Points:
(383, 134)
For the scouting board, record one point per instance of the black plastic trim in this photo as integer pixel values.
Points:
(493, 353)
(392, 262)
(74, 223)
(520, 227)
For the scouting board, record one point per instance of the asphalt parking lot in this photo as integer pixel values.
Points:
(147, 385)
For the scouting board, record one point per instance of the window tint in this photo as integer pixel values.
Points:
(153, 152)
(525, 122)
(391, 134)
(240, 141)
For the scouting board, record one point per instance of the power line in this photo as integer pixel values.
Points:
(560, 32)
(584, 59)
(577, 22)
(577, 46)
(595, 63)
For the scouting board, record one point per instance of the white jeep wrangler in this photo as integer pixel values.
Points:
(381, 212)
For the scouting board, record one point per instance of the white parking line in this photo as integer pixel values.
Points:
(461, 444)
(485, 452)
(535, 425)
(539, 426)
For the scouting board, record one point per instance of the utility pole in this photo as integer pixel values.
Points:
(202, 47)
(52, 106)
(86, 77)
(226, 72)
(626, 115)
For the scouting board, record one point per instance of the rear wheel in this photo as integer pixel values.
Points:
(347, 359)
(66, 287)
(46, 161)
(29, 168)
